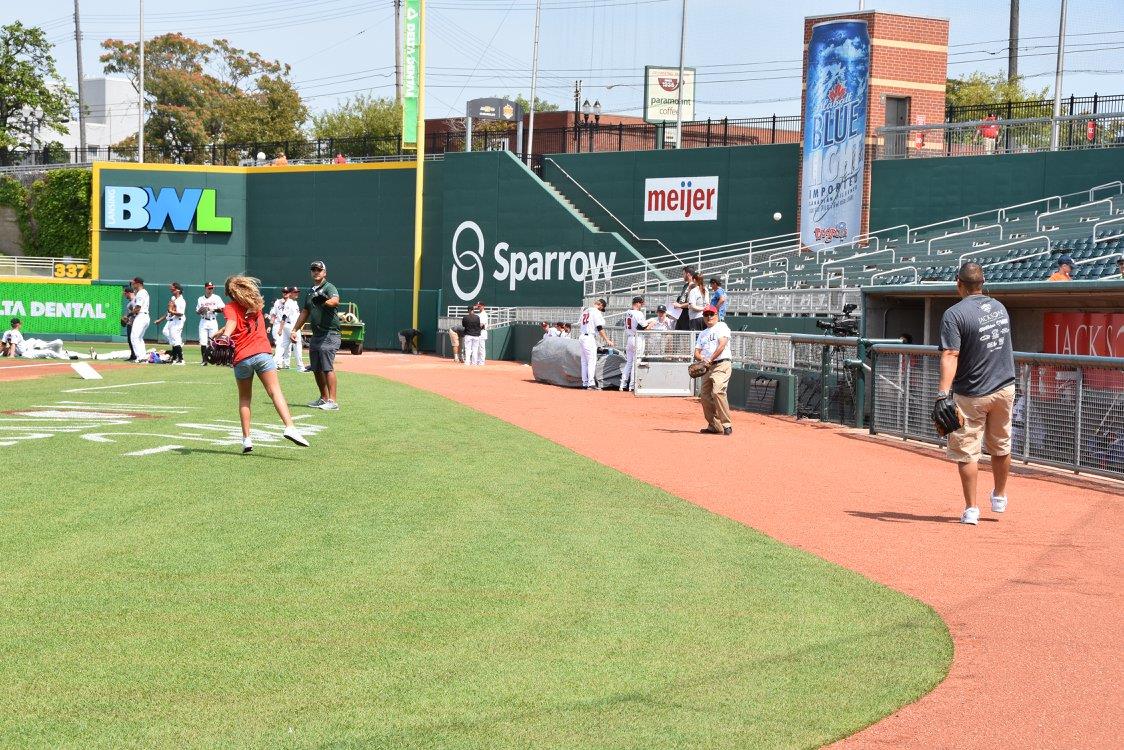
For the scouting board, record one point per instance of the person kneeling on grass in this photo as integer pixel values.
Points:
(245, 327)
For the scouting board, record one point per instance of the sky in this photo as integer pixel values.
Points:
(747, 52)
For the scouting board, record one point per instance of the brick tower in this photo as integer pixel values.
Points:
(908, 72)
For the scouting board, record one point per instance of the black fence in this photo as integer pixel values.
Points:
(1072, 105)
(586, 137)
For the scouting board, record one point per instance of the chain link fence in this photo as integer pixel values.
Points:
(1068, 412)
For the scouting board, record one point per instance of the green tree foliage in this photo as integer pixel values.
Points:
(54, 214)
(28, 81)
(986, 88)
(60, 209)
(361, 117)
(540, 105)
(197, 94)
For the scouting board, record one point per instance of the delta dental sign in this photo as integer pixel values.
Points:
(129, 207)
(48, 309)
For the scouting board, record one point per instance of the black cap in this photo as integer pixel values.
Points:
(138, 280)
(15, 322)
(176, 285)
(317, 265)
(1120, 258)
(661, 308)
(637, 299)
(209, 285)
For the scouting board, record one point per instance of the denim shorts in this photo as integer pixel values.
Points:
(258, 363)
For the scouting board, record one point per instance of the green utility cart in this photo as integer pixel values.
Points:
(352, 328)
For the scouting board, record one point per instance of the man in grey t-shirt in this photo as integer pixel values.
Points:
(978, 372)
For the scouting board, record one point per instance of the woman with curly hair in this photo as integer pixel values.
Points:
(246, 329)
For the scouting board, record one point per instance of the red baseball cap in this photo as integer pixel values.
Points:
(710, 310)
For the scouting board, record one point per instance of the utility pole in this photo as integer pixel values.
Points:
(530, 155)
(140, 92)
(679, 106)
(577, 114)
(1058, 80)
(1013, 45)
(398, 52)
(81, 86)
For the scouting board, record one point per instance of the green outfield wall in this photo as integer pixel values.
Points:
(508, 241)
(923, 191)
(753, 183)
(48, 310)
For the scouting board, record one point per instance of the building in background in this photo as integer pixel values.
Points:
(111, 107)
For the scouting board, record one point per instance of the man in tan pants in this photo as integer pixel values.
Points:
(978, 374)
(713, 348)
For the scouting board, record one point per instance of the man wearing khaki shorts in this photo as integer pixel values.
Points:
(978, 371)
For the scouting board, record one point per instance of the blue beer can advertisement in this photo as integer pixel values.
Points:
(835, 113)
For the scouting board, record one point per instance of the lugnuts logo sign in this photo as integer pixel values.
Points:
(513, 266)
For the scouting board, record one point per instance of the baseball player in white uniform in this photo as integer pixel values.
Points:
(207, 308)
(274, 314)
(13, 344)
(634, 321)
(482, 349)
(141, 318)
(592, 329)
(288, 350)
(173, 322)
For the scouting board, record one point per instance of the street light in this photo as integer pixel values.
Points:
(35, 115)
(593, 110)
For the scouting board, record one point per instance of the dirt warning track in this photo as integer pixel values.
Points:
(1032, 598)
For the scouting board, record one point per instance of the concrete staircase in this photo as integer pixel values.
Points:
(569, 204)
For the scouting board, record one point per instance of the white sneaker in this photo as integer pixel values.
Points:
(292, 434)
(998, 502)
(330, 406)
(316, 404)
(970, 515)
(247, 446)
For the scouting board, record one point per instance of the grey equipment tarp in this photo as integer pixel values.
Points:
(558, 361)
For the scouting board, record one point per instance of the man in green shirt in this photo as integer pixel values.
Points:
(320, 313)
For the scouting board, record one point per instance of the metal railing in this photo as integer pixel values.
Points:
(988, 137)
(1068, 411)
(44, 268)
(1074, 105)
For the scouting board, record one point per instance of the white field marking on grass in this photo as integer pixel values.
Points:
(49, 363)
(152, 451)
(112, 387)
(9, 440)
(111, 406)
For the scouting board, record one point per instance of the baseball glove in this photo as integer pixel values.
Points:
(697, 369)
(947, 416)
(222, 351)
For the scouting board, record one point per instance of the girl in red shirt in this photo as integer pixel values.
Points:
(245, 327)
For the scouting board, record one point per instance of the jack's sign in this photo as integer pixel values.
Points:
(129, 207)
(681, 199)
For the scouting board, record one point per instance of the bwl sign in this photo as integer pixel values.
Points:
(129, 207)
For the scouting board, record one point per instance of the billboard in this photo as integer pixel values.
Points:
(62, 308)
(134, 207)
(835, 118)
(661, 94)
(681, 198)
(411, 70)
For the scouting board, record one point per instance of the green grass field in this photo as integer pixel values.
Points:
(423, 577)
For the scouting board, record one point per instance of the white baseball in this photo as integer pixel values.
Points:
(777, 216)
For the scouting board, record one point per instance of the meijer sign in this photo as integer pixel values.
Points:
(681, 199)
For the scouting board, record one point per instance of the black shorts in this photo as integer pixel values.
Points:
(322, 352)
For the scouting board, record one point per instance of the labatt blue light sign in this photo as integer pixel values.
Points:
(835, 113)
(128, 207)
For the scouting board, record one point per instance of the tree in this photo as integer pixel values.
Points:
(540, 105)
(986, 88)
(362, 117)
(197, 94)
(33, 96)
